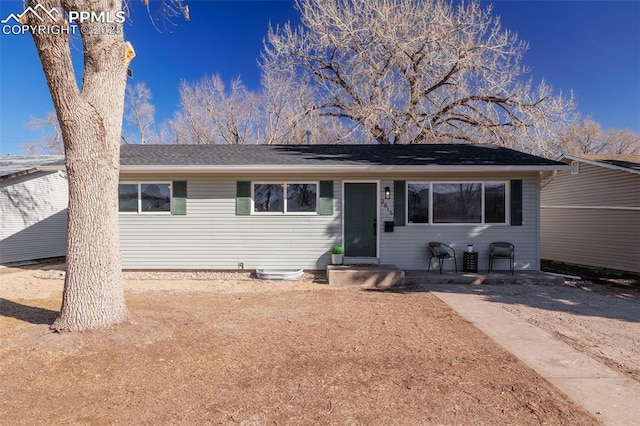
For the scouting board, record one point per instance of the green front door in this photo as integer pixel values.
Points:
(360, 213)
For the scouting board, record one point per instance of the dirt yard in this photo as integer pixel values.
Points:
(204, 351)
(602, 321)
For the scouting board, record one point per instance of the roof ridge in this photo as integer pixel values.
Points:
(332, 155)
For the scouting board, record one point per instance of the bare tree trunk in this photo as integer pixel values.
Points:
(91, 124)
(93, 294)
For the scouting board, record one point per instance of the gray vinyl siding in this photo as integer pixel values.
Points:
(593, 186)
(598, 235)
(406, 247)
(211, 236)
(33, 213)
(601, 238)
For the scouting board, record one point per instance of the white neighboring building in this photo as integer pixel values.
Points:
(33, 209)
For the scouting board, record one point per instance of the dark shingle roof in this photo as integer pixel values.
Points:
(328, 155)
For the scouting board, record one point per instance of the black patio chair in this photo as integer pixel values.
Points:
(502, 250)
(442, 252)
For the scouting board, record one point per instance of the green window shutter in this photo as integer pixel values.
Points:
(179, 206)
(516, 203)
(399, 202)
(243, 198)
(326, 197)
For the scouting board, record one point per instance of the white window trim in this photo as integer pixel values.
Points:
(507, 202)
(139, 185)
(429, 202)
(482, 201)
(284, 198)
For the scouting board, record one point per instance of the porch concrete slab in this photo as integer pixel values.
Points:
(382, 276)
(419, 277)
(608, 395)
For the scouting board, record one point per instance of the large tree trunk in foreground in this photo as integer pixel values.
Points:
(93, 293)
(91, 124)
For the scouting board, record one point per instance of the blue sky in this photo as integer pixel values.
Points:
(589, 47)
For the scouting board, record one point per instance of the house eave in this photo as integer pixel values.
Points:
(360, 169)
(598, 163)
(18, 174)
(50, 168)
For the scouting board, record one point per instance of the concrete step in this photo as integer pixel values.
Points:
(382, 276)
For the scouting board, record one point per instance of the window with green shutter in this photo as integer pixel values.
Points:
(454, 202)
(145, 197)
(326, 197)
(288, 198)
(399, 202)
(516, 203)
(243, 198)
(179, 202)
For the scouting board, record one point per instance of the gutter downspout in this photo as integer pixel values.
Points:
(548, 181)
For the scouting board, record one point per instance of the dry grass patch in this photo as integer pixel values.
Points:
(266, 353)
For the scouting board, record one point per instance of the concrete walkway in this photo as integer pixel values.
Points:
(608, 395)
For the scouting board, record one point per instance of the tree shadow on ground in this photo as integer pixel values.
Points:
(582, 298)
(30, 314)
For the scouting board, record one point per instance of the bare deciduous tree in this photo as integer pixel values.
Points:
(211, 113)
(51, 142)
(587, 137)
(90, 120)
(407, 71)
(584, 137)
(288, 114)
(285, 109)
(139, 111)
(622, 142)
(282, 112)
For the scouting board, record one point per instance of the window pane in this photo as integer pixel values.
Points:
(457, 203)
(494, 203)
(268, 197)
(301, 197)
(128, 197)
(156, 197)
(418, 203)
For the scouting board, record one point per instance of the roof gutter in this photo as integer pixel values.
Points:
(548, 180)
(378, 169)
(18, 174)
(51, 168)
(598, 163)
(45, 169)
